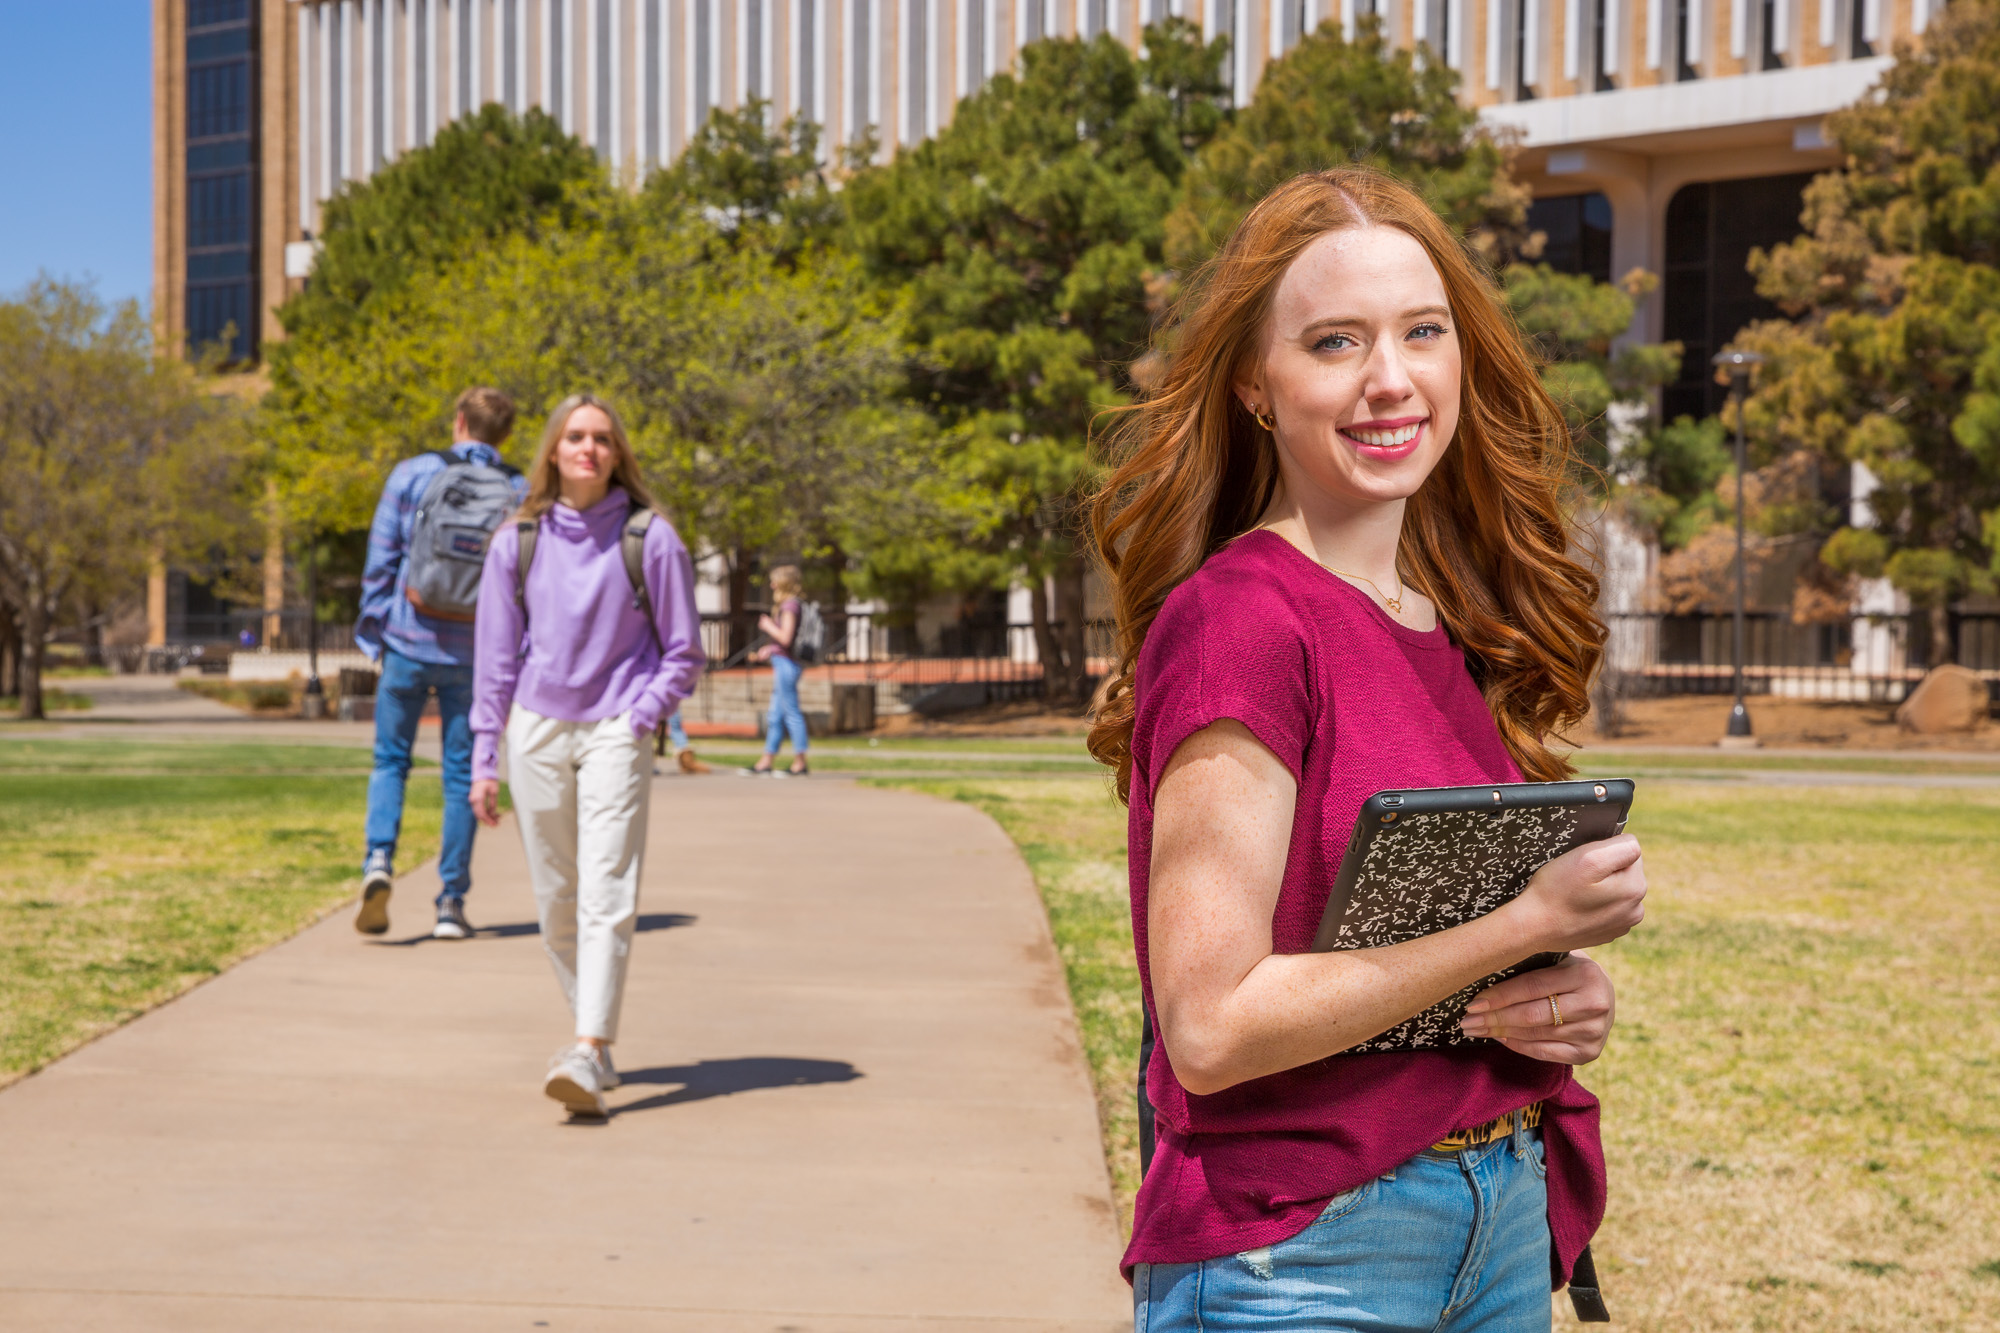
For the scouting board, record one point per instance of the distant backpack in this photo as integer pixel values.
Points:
(631, 545)
(456, 517)
(808, 636)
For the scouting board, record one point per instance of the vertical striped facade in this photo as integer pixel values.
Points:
(634, 78)
(1630, 99)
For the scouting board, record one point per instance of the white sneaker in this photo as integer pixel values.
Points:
(607, 1075)
(576, 1081)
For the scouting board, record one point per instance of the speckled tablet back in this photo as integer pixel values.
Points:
(1427, 859)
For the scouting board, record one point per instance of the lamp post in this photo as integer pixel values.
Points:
(313, 704)
(1738, 365)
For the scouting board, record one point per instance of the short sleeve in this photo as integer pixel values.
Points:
(1211, 655)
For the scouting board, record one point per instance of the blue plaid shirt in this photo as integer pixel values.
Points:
(387, 617)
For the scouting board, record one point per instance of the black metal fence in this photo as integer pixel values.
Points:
(1003, 661)
(1875, 659)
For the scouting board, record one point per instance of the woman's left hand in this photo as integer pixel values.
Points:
(1517, 1013)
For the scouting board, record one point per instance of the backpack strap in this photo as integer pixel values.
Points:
(525, 532)
(632, 545)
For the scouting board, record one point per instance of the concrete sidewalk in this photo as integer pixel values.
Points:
(854, 1101)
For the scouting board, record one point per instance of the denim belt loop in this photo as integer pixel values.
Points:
(1520, 1136)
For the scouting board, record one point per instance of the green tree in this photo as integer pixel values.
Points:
(762, 392)
(1604, 383)
(487, 175)
(1894, 358)
(113, 456)
(758, 181)
(484, 179)
(1026, 233)
(1331, 102)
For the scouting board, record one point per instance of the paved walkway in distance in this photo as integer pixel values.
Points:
(854, 1101)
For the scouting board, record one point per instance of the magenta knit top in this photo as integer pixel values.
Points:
(1352, 703)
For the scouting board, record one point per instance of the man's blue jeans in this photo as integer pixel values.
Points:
(1445, 1243)
(399, 705)
(785, 714)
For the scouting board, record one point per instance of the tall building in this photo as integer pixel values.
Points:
(1670, 135)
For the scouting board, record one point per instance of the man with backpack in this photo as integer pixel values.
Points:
(426, 549)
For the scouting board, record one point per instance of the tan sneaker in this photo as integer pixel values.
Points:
(690, 764)
(378, 879)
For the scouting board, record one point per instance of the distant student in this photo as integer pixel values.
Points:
(578, 661)
(785, 715)
(683, 748)
(418, 597)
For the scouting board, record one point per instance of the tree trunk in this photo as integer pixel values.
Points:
(1074, 634)
(10, 651)
(1046, 647)
(34, 637)
(836, 609)
(741, 623)
(1943, 651)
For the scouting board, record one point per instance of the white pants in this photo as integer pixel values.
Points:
(580, 794)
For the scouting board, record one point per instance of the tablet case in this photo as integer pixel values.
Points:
(1426, 859)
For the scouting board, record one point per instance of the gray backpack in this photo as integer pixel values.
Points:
(457, 515)
(809, 638)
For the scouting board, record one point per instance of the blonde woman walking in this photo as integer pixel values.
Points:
(785, 715)
(588, 636)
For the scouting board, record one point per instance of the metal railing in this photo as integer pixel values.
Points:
(1876, 659)
(1002, 659)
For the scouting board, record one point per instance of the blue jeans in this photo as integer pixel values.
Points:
(677, 735)
(399, 704)
(785, 715)
(1445, 1243)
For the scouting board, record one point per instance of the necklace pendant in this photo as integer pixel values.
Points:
(1394, 604)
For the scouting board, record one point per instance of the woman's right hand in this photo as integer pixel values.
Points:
(1589, 895)
(485, 801)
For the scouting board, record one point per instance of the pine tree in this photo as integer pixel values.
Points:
(1894, 358)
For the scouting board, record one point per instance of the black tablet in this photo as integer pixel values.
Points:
(1425, 859)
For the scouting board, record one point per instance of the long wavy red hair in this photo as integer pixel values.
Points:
(1486, 538)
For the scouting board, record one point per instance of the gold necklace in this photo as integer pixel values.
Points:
(1395, 604)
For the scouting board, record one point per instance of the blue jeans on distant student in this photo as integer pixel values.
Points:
(1445, 1243)
(677, 735)
(399, 705)
(785, 715)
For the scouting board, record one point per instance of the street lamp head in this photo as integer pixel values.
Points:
(1737, 365)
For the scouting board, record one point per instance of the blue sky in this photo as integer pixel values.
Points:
(76, 133)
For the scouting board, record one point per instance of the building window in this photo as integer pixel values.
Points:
(916, 84)
(1687, 39)
(861, 77)
(1604, 43)
(221, 177)
(807, 52)
(1577, 228)
(702, 39)
(1708, 292)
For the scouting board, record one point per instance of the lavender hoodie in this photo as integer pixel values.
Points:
(584, 653)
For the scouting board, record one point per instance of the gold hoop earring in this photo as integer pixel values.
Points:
(1269, 423)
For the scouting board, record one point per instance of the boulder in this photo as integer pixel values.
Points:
(1950, 698)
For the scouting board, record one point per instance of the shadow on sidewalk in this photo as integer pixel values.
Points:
(722, 1078)
(647, 921)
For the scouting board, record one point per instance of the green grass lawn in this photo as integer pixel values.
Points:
(132, 871)
(1802, 1098)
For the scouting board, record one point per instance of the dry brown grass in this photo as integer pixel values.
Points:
(1802, 1116)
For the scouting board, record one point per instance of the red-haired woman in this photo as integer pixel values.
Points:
(1340, 558)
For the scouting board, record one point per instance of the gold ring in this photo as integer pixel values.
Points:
(1555, 1012)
